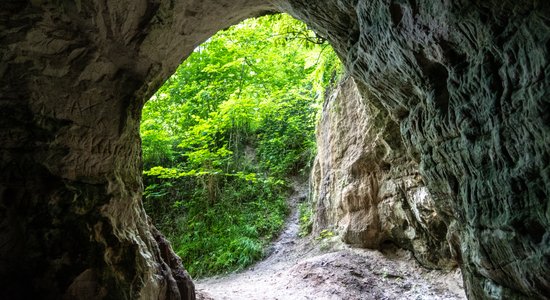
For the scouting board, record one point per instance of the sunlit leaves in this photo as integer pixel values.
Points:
(226, 130)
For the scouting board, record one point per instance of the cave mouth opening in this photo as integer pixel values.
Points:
(223, 135)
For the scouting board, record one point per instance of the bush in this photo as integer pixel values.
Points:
(306, 221)
(224, 132)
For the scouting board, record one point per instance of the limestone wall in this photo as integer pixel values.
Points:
(366, 188)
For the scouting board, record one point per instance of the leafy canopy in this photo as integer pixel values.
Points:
(223, 134)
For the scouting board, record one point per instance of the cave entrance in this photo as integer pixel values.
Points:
(226, 131)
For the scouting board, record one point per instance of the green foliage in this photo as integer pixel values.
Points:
(305, 221)
(324, 234)
(224, 132)
(231, 233)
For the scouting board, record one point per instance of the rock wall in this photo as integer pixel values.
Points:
(465, 81)
(73, 78)
(366, 188)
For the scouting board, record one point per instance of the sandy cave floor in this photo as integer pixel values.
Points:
(304, 268)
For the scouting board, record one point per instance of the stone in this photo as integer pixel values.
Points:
(365, 186)
(466, 83)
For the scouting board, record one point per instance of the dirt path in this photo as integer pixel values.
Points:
(302, 268)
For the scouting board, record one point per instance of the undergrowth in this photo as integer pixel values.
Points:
(305, 221)
(223, 134)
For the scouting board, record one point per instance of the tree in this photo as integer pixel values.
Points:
(221, 136)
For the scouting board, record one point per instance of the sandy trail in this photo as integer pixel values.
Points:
(303, 268)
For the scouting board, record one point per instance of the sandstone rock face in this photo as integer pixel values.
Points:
(465, 81)
(366, 188)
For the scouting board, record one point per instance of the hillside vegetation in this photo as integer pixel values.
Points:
(222, 136)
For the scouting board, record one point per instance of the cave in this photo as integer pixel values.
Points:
(464, 82)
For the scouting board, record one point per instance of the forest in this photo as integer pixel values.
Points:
(224, 134)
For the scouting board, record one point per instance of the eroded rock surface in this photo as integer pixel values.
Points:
(465, 81)
(366, 188)
(74, 75)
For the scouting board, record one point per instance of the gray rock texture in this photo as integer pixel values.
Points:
(74, 76)
(364, 186)
(466, 83)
